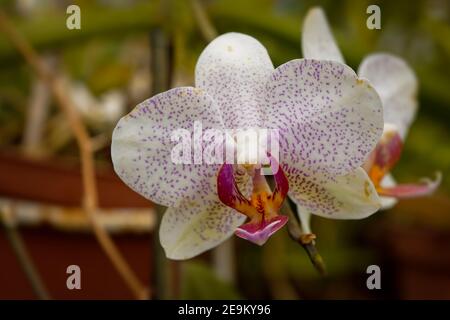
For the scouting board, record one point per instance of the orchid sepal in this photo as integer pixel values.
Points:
(412, 190)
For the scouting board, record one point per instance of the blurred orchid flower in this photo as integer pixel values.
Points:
(328, 119)
(102, 112)
(396, 85)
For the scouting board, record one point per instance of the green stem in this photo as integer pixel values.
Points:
(306, 240)
(296, 232)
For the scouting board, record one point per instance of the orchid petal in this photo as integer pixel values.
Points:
(191, 229)
(234, 69)
(142, 147)
(396, 84)
(405, 191)
(195, 227)
(281, 185)
(351, 196)
(329, 120)
(317, 40)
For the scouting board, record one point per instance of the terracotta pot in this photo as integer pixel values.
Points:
(416, 238)
(57, 182)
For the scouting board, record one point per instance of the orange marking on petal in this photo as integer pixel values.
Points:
(386, 155)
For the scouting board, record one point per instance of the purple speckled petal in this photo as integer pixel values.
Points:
(142, 145)
(188, 230)
(351, 196)
(396, 84)
(281, 184)
(329, 120)
(193, 228)
(234, 69)
(317, 39)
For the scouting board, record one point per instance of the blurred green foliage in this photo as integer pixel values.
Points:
(200, 282)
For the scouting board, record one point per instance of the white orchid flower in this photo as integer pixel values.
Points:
(396, 85)
(328, 119)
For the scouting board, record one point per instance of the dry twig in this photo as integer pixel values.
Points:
(21, 252)
(207, 29)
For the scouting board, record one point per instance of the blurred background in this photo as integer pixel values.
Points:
(62, 92)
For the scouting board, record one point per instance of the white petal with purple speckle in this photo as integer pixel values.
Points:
(141, 147)
(234, 69)
(192, 228)
(188, 230)
(317, 39)
(351, 196)
(329, 119)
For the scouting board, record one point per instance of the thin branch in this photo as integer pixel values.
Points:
(204, 23)
(36, 116)
(296, 232)
(58, 89)
(306, 240)
(21, 252)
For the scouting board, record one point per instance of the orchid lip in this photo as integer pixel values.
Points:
(259, 233)
(261, 208)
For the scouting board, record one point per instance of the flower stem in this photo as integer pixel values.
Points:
(297, 233)
(306, 240)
